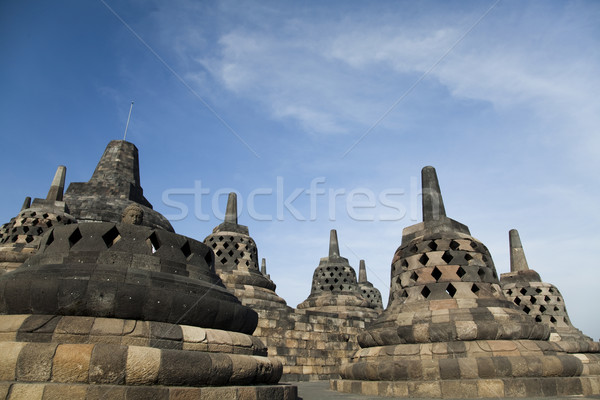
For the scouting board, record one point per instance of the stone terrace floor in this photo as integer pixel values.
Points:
(319, 390)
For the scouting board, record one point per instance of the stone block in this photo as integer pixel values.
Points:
(108, 364)
(425, 389)
(487, 388)
(27, 391)
(71, 363)
(61, 392)
(35, 362)
(10, 354)
(459, 389)
(142, 365)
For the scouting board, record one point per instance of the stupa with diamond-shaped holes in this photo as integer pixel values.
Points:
(20, 237)
(119, 306)
(543, 301)
(236, 262)
(335, 287)
(448, 330)
(369, 292)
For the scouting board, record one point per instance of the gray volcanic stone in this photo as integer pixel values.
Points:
(114, 185)
(89, 269)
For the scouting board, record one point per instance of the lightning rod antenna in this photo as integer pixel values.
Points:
(128, 117)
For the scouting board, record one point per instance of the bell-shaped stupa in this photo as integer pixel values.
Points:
(236, 262)
(369, 292)
(448, 330)
(335, 287)
(20, 238)
(126, 309)
(543, 301)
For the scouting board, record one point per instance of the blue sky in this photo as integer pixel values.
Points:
(267, 98)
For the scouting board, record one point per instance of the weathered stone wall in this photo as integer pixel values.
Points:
(310, 344)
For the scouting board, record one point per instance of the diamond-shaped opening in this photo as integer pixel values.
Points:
(39, 231)
(523, 291)
(454, 245)
(153, 242)
(331, 287)
(247, 263)
(433, 245)
(538, 318)
(414, 248)
(551, 290)
(341, 287)
(336, 268)
(223, 260)
(484, 258)
(45, 215)
(404, 263)
(566, 320)
(220, 238)
(186, 249)
(331, 274)
(219, 252)
(556, 308)
(25, 229)
(473, 245)
(517, 300)
(225, 245)
(468, 257)
(230, 252)
(532, 299)
(526, 309)
(111, 237)
(242, 254)
(509, 292)
(326, 280)
(436, 273)
(33, 214)
(231, 238)
(451, 290)
(546, 299)
(426, 292)
(447, 257)
(404, 294)
(75, 237)
(553, 320)
(460, 272)
(538, 290)
(58, 218)
(558, 300)
(214, 245)
(481, 273)
(423, 259)
(29, 238)
(237, 246)
(414, 276)
(50, 239)
(474, 288)
(49, 224)
(542, 309)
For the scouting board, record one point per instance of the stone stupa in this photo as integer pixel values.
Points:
(543, 301)
(369, 292)
(236, 262)
(449, 332)
(20, 238)
(335, 287)
(127, 309)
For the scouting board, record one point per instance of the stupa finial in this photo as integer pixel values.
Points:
(362, 272)
(433, 204)
(231, 215)
(334, 247)
(57, 187)
(518, 262)
(26, 203)
(263, 266)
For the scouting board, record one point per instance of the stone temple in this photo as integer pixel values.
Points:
(101, 298)
(449, 331)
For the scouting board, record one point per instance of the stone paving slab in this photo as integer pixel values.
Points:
(319, 390)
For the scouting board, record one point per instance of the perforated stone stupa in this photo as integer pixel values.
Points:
(369, 292)
(20, 237)
(543, 301)
(126, 310)
(449, 331)
(236, 262)
(335, 287)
